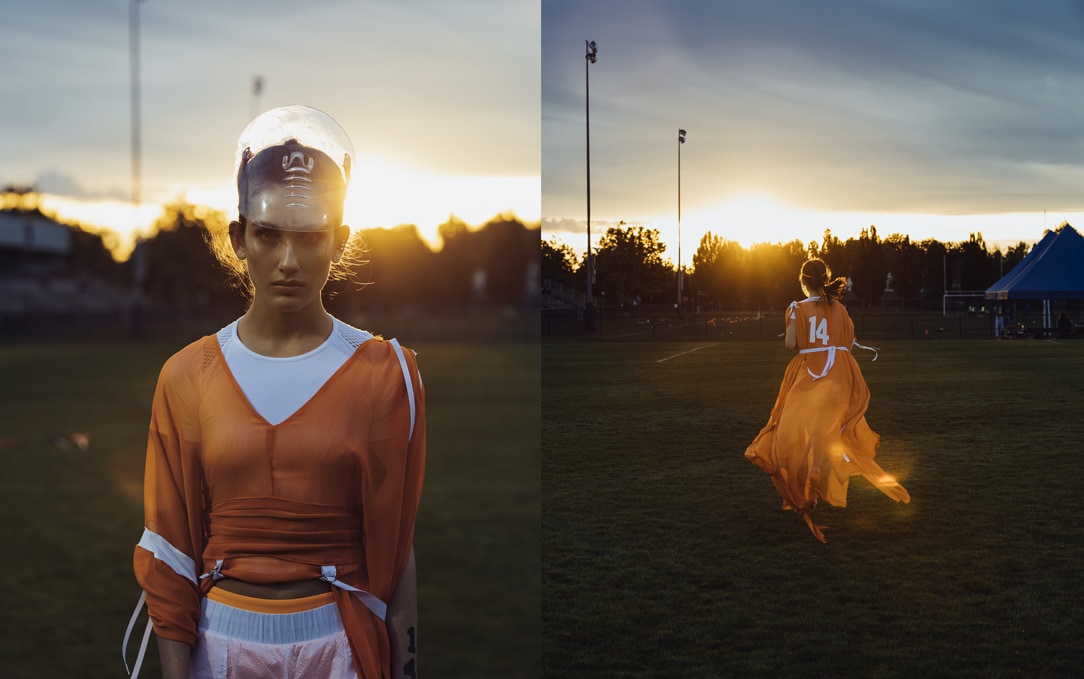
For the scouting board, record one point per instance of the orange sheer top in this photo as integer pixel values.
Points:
(227, 494)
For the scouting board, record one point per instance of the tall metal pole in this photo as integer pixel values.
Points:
(138, 256)
(681, 140)
(589, 307)
(137, 161)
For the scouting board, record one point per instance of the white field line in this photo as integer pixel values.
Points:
(669, 327)
(663, 360)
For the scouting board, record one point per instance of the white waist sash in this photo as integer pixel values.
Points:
(831, 360)
(832, 356)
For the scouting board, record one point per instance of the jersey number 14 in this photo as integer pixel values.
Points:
(818, 331)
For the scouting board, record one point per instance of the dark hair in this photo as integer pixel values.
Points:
(816, 277)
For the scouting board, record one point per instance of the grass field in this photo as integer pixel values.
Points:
(666, 554)
(70, 518)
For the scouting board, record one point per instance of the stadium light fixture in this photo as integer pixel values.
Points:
(681, 140)
(590, 57)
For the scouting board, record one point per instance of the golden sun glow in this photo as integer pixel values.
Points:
(763, 218)
(119, 222)
(385, 194)
(382, 194)
(750, 218)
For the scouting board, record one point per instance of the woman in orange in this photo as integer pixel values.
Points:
(817, 437)
(286, 452)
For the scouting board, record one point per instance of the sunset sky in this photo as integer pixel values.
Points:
(441, 100)
(929, 118)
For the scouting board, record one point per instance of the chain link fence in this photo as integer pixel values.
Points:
(569, 323)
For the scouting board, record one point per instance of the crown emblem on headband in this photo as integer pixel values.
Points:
(298, 186)
(297, 162)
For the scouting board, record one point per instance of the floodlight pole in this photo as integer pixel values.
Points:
(681, 140)
(590, 57)
(138, 256)
(137, 162)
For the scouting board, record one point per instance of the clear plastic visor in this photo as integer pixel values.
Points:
(292, 170)
(309, 126)
(276, 207)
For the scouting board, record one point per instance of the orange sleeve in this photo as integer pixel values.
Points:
(392, 504)
(166, 558)
(391, 489)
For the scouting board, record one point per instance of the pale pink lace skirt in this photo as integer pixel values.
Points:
(241, 638)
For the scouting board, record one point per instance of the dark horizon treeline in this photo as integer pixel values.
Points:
(492, 267)
(631, 272)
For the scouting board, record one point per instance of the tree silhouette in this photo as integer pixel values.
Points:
(772, 273)
(904, 260)
(395, 272)
(868, 269)
(975, 269)
(494, 266)
(91, 258)
(718, 269)
(456, 266)
(559, 263)
(834, 253)
(489, 266)
(506, 252)
(182, 272)
(1011, 257)
(629, 265)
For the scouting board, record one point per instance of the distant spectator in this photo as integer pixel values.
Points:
(1065, 327)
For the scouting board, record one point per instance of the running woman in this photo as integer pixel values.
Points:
(817, 436)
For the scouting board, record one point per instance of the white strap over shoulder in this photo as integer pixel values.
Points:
(409, 383)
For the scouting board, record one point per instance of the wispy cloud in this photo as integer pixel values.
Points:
(873, 106)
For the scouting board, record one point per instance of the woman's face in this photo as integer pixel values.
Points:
(288, 269)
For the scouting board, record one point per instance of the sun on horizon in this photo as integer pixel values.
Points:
(381, 195)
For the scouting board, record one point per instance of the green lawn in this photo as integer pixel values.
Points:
(70, 518)
(666, 554)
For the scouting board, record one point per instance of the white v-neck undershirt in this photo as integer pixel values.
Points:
(278, 387)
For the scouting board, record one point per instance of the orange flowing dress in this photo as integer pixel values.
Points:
(330, 493)
(817, 437)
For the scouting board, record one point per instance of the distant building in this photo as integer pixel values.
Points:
(36, 274)
(32, 245)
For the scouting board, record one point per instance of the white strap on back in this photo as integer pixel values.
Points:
(409, 384)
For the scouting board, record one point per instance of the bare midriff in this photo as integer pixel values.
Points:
(275, 590)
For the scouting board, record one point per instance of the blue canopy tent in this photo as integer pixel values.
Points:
(1054, 269)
